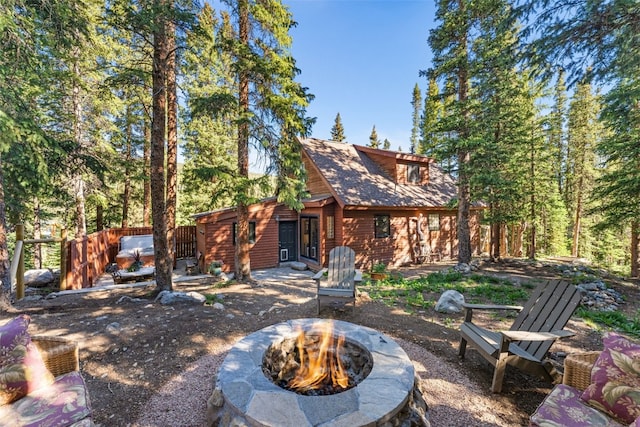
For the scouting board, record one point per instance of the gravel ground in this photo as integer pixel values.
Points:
(148, 364)
(454, 400)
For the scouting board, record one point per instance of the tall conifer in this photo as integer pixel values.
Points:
(337, 131)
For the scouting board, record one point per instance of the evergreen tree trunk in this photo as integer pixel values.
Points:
(635, 247)
(5, 286)
(464, 157)
(575, 250)
(126, 194)
(172, 142)
(37, 234)
(78, 181)
(496, 238)
(99, 217)
(243, 261)
(158, 204)
(146, 156)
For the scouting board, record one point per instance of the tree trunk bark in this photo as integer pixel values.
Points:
(5, 286)
(126, 194)
(496, 238)
(464, 157)
(172, 142)
(78, 181)
(575, 250)
(243, 260)
(37, 234)
(146, 204)
(158, 204)
(635, 247)
(99, 217)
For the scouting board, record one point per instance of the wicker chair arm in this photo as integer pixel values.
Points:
(577, 369)
(60, 355)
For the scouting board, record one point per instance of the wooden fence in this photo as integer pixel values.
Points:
(87, 257)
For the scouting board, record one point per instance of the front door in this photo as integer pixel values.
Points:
(287, 241)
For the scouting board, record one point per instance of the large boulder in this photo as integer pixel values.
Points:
(450, 302)
(39, 278)
(168, 297)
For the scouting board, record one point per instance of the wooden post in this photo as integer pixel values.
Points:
(63, 259)
(20, 273)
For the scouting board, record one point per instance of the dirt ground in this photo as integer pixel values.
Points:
(131, 345)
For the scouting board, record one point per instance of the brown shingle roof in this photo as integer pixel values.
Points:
(356, 180)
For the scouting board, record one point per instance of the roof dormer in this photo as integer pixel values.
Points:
(407, 169)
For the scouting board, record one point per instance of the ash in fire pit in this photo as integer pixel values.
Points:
(381, 388)
(317, 362)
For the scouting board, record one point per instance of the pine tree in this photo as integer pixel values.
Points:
(271, 108)
(432, 113)
(583, 135)
(450, 45)
(386, 144)
(210, 149)
(416, 100)
(557, 140)
(374, 142)
(617, 196)
(337, 131)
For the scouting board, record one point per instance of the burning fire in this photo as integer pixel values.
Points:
(320, 365)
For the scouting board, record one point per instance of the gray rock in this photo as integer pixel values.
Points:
(38, 278)
(168, 297)
(113, 328)
(463, 268)
(32, 298)
(218, 306)
(450, 302)
(299, 266)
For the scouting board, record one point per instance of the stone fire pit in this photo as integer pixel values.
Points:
(389, 395)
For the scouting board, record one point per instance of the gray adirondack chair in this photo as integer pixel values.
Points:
(337, 282)
(525, 345)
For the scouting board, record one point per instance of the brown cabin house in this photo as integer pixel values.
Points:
(386, 205)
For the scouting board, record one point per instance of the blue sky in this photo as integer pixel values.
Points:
(361, 58)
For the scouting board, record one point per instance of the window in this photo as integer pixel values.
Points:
(382, 226)
(309, 242)
(413, 174)
(331, 233)
(434, 222)
(252, 232)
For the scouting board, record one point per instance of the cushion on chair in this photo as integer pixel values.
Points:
(22, 369)
(615, 379)
(564, 408)
(63, 403)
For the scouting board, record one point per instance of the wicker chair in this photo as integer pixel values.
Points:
(60, 355)
(577, 369)
(564, 406)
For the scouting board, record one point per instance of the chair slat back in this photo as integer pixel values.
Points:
(341, 270)
(549, 309)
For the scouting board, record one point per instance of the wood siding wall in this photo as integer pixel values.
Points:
(215, 242)
(398, 248)
(315, 183)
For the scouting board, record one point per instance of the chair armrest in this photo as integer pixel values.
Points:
(319, 274)
(535, 336)
(358, 277)
(60, 355)
(470, 307)
(491, 307)
(577, 369)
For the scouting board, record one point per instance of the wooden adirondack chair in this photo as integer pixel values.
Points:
(525, 345)
(339, 285)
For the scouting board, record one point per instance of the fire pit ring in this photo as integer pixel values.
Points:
(244, 394)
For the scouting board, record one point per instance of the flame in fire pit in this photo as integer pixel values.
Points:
(319, 351)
